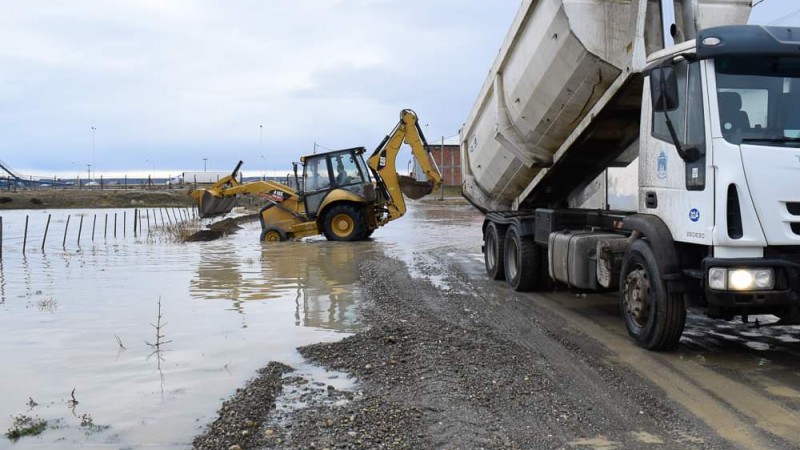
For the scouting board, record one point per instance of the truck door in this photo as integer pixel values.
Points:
(679, 190)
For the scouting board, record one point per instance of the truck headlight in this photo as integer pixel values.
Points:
(722, 279)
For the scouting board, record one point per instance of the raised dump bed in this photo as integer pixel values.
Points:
(566, 80)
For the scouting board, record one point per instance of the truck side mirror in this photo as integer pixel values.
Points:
(664, 89)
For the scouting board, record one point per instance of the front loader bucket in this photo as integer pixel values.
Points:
(414, 189)
(210, 206)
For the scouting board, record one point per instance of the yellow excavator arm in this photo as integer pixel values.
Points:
(383, 163)
(220, 197)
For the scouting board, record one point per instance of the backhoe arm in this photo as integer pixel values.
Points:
(383, 163)
(220, 197)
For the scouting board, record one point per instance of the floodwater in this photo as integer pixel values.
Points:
(82, 314)
(81, 317)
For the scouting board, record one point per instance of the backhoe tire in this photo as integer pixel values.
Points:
(344, 223)
(654, 318)
(522, 261)
(493, 250)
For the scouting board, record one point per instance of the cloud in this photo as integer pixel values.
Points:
(176, 81)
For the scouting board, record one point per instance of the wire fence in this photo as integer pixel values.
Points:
(71, 229)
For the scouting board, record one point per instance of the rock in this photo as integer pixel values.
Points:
(234, 447)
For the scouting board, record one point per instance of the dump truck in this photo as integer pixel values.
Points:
(340, 194)
(584, 100)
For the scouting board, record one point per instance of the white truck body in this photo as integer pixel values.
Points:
(706, 131)
(202, 177)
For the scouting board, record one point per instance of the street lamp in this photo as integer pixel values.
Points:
(89, 171)
(93, 130)
(204, 164)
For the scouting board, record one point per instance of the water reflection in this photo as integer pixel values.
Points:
(321, 276)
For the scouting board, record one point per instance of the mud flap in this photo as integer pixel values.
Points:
(211, 206)
(414, 189)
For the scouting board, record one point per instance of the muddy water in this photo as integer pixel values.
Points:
(81, 317)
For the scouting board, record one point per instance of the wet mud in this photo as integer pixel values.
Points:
(221, 228)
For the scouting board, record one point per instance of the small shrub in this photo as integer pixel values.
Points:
(24, 425)
(36, 201)
(6, 199)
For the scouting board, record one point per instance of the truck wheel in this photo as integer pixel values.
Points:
(522, 261)
(493, 246)
(344, 223)
(654, 318)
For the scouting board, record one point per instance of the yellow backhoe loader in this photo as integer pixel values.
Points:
(339, 195)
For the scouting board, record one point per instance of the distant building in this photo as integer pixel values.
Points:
(448, 158)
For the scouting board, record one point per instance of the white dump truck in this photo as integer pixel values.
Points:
(585, 102)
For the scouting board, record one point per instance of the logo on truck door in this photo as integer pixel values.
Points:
(661, 171)
(694, 215)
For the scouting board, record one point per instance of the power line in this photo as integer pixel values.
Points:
(788, 16)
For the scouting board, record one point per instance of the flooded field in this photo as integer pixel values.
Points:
(80, 317)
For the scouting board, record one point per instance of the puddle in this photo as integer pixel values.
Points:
(311, 386)
(597, 443)
(79, 317)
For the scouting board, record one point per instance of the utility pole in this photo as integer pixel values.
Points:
(89, 172)
(93, 131)
(204, 164)
(441, 185)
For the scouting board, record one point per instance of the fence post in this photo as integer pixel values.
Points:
(94, 222)
(105, 228)
(124, 222)
(162, 216)
(64, 242)
(115, 225)
(1, 237)
(148, 221)
(46, 227)
(140, 222)
(25, 236)
(135, 211)
(80, 229)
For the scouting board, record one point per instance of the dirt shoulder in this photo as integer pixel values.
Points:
(86, 198)
(458, 367)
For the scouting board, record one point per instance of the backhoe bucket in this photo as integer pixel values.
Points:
(210, 206)
(414, 189)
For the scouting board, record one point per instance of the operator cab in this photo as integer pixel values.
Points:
(326, 172)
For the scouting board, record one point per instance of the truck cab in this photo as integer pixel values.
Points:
(729, 191)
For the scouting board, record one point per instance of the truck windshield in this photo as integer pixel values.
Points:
(759, 99)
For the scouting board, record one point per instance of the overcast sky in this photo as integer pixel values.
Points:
(167, 83)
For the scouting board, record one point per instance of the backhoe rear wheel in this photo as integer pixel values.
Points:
(344, 223)
(493, 250)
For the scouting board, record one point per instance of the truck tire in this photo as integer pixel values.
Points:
(493, 250)
(522, 261)
(654, 317)
(344, 223)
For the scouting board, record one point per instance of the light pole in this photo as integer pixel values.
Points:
(264, 162)
(89, 171)
(204, 164)
(93, 130)
(260, 136)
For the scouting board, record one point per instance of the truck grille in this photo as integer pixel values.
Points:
(796, 228)
(794, 208)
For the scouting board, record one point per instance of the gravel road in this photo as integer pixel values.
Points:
(450, 359)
